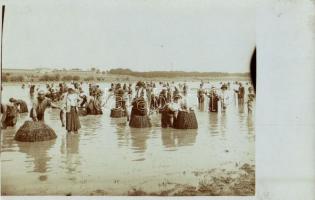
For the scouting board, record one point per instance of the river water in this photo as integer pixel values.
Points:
(108, 157)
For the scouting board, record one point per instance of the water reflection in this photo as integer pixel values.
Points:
(176, 138)
(122, 134)
(222, 129)
(7, 138)
(201, 106)
(241, 107)
(250, 124)
(139, 139)
(90, 124)
(70, 147)
(38, 151)
(215, 121)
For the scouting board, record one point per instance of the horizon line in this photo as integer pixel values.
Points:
(96, 68)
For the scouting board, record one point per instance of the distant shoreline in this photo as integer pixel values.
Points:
(113, 75)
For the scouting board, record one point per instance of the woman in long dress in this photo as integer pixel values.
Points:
(72, 115)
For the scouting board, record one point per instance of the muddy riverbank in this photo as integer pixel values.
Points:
(215, 182)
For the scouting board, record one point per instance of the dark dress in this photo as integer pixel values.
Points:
(167, 117)
(72, 120)
(241, 94)
(213, 103)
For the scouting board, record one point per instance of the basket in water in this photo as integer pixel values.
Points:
(186, 120)
(32, 131)
(117, 113)
(139, 121)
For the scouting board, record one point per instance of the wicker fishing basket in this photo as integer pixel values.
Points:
(186, 120)
(34, 131)
(117, 113)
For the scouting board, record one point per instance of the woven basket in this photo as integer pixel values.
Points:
(138, 121)
(186, 120)
(32, 131)
(117, 113)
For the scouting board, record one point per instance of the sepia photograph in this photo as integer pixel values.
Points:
(128, 98)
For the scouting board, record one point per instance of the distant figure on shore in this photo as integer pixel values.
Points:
(9, 115)
(20, 104)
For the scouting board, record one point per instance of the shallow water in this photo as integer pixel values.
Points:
(108, 157)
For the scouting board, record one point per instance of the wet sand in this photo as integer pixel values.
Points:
(215, 182)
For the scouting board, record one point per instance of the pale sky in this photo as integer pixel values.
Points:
(143, 35)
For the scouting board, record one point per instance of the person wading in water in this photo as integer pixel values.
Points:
(201, 97)
(20, 104)
(39, 106)
(72, 115)
(121, 100)
(240, 96)
(213, 100)
(9, 115)
(251, 100)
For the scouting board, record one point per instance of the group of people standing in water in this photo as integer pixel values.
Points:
(228, 93)
(142, 98)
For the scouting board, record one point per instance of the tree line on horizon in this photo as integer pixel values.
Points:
(172, 74)
(7, 77)
(56, 75)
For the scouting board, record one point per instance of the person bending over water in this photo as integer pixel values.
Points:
(39, 106)
(20, 104)
(9, 115)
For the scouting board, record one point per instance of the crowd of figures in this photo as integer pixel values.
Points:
(135, 101)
